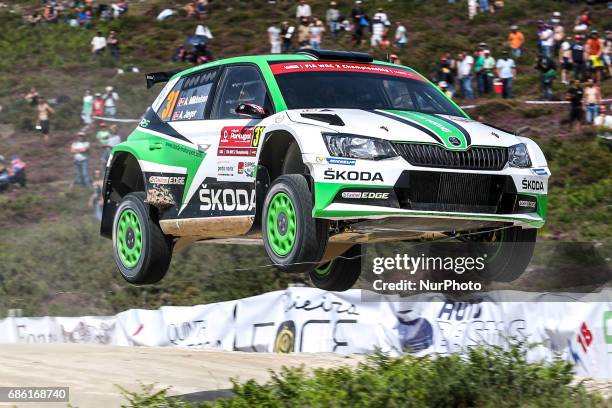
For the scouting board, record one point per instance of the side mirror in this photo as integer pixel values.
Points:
(251, 110)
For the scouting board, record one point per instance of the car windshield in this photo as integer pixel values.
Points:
(358, 86)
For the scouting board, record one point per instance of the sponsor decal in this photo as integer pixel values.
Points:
(527, 204)
(320, 66)
(184, 115)
(585, 337)
(239, 140)
(247, 168)
(331, 174)
(532, 185)
(226, 169)
(540, 172)
(369, 195)
(226, 199)
(495, 134)
(166, 180)
(336, 160)
(607, 326)
(285, 338)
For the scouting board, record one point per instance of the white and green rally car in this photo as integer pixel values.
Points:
(315, 154)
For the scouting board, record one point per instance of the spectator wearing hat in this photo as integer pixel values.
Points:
(548, 73)
(506, 71)
(594, 50)
(360, 21)
(113, 45)
(80, 151)
(378, 28)
(516, 39)
(401, 35)
(445, 74)
(578, 57)
(110, 102)
(558, 31)
(332, 18)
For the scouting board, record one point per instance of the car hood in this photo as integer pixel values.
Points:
(453, 132)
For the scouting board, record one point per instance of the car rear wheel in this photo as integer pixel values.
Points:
(340, 273)
(141, 251)
(293, 239)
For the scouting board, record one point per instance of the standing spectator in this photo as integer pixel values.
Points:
(103, 134)
(80, 151)
(592, 100)
(575, 95)
(96, 200)
(472, 6)
(381, 16)
(481, 75)
(87, 110)
(565, 60)
(98, 44)
(558, 31)
(202, 8)
(593, 50)
(378, 30)
(303, 10)
(274, 37)
(547, 40)
(113, 45)
(607, 52)
(484, 6)
(489, 68)
(111, 140)
(465, 74)
(286, 35)
(119, 8)
(445, 74)
(506, 71)
(32, 96)
(578, 58)
(303, 35)
(332, 18)
(516, 39)
(583, 21)
(603, 119)
(401, 35)
(546, 66)
(98, 105)
(110, 102)
(315, 32)
(360, 22)
(44, 110)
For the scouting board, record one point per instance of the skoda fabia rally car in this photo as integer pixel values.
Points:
(315, 154)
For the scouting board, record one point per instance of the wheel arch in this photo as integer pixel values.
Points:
(123, 176)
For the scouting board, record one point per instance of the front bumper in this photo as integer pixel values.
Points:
(363, 189)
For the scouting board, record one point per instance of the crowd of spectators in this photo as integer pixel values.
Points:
(76, 13)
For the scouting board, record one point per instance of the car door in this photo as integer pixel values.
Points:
(225, 185)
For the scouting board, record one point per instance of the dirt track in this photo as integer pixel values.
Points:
(91, 372)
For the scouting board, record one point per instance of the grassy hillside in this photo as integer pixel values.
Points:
(51, 257)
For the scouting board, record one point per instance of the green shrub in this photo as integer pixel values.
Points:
(486, 377)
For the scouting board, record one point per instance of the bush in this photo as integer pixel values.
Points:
(486, 377)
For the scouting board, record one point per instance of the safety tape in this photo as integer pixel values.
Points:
(116, 119)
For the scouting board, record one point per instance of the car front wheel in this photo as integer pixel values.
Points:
(293, 239)
(141, 251)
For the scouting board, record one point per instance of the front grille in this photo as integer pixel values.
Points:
(475, 158)
(454, 192)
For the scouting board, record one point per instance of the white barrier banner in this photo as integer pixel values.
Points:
(310, 320)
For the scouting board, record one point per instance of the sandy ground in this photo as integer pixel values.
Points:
(92, 371)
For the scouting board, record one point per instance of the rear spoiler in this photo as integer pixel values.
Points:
(157, 77)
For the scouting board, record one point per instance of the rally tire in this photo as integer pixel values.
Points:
(143, 255)
(339, 274)
(513, 256)
(293, 239)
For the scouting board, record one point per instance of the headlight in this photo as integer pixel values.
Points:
(518, 156)
(358, 147)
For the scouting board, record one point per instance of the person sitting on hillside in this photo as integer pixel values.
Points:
(604, 119)
(16, 171)
(119, 8)
(50, 14)
(33, 19)
(190, 9)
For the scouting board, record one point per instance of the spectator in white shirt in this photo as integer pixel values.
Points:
(381, 16)
(547, 41)
(274, 38)
(98, 44)
(303, 10)
(465, 74)
(506, 71)
(401, 35)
